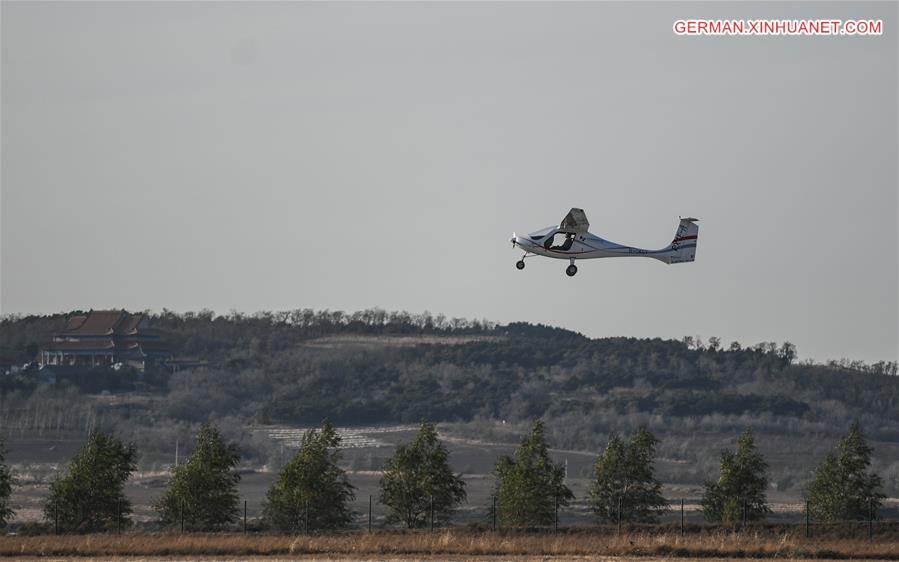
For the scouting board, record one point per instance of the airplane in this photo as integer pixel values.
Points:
(570, 240)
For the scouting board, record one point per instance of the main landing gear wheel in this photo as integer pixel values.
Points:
(571, 270)
(519, 264)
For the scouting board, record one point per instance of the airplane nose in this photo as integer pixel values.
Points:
(514, 239)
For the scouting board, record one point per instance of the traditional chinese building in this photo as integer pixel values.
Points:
(104, 338)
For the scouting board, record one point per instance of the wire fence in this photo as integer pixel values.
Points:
(878, 522)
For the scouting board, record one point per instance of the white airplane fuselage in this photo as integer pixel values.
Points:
(590, 246)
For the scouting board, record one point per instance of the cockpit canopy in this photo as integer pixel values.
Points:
(541, 234)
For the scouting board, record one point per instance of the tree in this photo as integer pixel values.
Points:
(787, 352)
(418, 479)
(739, 492)
(203, 490)
(6, 483)
(530, 486)
(90, 496)
(311, 487)
(842, 487)
(624, 481)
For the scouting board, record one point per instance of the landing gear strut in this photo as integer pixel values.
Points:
(520, 263)
(571, 269)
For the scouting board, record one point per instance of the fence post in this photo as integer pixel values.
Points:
(181, 509)
(870, 518)
(494, 513)
(245, 517)
(369, 514)
(744, 513)
(807, 519)
(682, 517)
(56, 517)
(432, 512)
(556, 515)
(619, 515)
(118, 518)
(306, 517)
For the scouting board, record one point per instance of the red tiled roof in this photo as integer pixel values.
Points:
(103, 323)
(128, 324)
(73, 323)
(97, 323)
(107, 330)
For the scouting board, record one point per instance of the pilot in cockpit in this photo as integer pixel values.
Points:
(566, 244)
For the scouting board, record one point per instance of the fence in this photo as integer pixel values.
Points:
(580, 518)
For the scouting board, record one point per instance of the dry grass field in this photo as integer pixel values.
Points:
(464, 544)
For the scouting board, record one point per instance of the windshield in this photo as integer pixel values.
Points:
(541, 233)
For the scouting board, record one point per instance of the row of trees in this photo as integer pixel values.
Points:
(311, 490)
(841, 489)
(624, 486)
(419, 487)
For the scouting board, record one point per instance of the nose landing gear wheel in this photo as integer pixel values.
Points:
(571, 270)
(519, 264)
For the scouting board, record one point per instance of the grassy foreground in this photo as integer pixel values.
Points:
(720, 543)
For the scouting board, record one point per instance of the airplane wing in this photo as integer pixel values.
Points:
(576, 220)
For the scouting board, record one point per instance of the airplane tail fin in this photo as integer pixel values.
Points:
(683, 248)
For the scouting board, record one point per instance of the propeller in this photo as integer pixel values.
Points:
(514, 243)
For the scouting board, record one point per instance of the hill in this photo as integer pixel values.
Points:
(483, 381)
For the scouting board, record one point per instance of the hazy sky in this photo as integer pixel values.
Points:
(258, 156)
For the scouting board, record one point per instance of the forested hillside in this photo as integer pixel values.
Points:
(297, 368)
